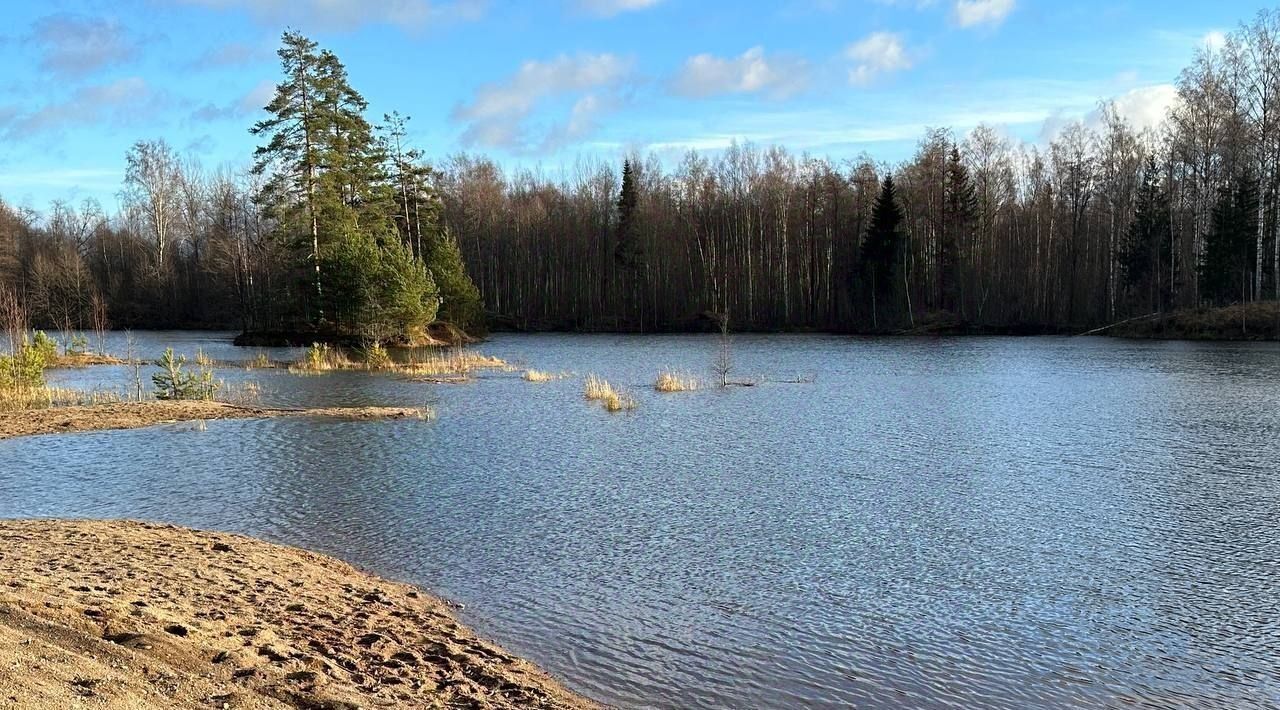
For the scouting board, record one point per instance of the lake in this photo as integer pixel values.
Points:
(932, 523)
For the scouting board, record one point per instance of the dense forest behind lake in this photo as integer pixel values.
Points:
(343, 225)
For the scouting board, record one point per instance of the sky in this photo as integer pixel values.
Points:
(547, 84)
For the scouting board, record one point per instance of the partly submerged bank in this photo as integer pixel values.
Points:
(133, 615)
(136, 415)
(1249, 321)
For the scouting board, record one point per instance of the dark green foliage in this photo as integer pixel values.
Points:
(173, 382)
(359, 212)
(459, 298)
(881, 251)
(960, 211)
(1146, 252)
(377, 292)
(628, 252)
(1229, 248)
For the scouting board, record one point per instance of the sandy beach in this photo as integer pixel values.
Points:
(131, 615)
(135, 415)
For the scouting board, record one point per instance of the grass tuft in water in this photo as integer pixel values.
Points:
(669, 381)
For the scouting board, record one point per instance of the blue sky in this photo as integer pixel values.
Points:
(548, 82)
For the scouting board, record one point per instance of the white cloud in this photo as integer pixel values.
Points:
(974, 13)
(350, 14)
(1146, 107)
(1143, 108)
(1214, 40)
(878, 54)
(750, 73)
(499, 113)
(609, 8)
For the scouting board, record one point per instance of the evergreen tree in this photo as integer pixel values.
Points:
(1145, 253)
(460, 299)
(1229, 247)
(628, 250)
(881, 249)
(960, 213)
(292, 155)
(328, 181)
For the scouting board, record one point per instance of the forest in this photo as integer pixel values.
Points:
(341, 225)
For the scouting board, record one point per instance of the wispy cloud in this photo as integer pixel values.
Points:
(246, 105)
(62, 178)
(610, 8)
(498, 115)
(120, 102)
(977, 13)
(72, 46)
(752, 72)
(352, 14)
(233, 54)
(876, 55)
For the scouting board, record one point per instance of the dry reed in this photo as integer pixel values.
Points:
(669, 381)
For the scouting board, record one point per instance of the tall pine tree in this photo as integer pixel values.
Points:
(329, 194)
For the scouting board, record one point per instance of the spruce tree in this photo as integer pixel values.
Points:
(960, 215)
(881, 249)
(1229, 247)
(628, 251)
(1145, 253)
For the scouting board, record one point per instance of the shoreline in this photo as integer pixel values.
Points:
(143, 615)
(138, 415)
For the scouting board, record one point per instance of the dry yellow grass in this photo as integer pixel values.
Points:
(669, 381)
(454, 362)
(613, 399)
(540, 376)
(85, 359)
(259, 362)
(23, 399)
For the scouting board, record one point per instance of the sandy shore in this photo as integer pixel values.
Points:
(111, 614)
(135, 415)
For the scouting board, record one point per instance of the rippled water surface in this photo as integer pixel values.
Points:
(993, 523)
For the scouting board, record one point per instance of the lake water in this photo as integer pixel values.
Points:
(951, 523)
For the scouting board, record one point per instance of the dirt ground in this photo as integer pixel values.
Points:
(118, 614)
(135, 415)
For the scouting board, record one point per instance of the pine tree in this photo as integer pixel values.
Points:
(292, 155)
(881, 249)
(960, 216)
(1229, 247)
(328, 174)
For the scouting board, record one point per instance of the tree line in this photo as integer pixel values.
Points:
(340, 224)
